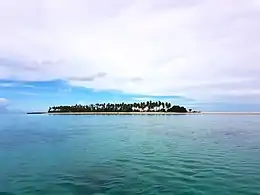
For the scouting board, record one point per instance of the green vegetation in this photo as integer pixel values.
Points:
(148, 106)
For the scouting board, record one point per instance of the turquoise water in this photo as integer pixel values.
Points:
(117, 155)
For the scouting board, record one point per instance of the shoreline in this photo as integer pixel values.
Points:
(147, 113)
(120, 113)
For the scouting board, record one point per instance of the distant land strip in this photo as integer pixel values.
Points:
(136, 108)
(146, 113)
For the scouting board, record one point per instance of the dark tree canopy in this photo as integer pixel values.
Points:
(148, 106)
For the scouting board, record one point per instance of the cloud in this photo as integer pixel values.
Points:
(136, 79)
(201, 49)
(3, 101)
(9, 84)
(3, 104)
(88, 78)
(17, 64)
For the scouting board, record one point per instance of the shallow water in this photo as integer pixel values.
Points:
(80, 155)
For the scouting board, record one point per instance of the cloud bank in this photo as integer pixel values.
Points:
(207, 50)
(3, 104)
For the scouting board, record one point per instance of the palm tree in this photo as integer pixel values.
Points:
(123, 107)
(168, 105)
(147, 104)
(159, 104)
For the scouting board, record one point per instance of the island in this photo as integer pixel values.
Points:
(120, 108)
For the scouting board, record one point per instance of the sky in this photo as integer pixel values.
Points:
(203, 54)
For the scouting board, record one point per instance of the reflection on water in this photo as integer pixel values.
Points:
(129, 155)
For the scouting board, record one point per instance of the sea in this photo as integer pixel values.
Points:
(129, 154)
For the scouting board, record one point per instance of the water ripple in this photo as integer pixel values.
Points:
(130, 155)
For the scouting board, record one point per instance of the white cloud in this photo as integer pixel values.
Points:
(7, 85)
(14, 84)
(190, 48)
(3, 102)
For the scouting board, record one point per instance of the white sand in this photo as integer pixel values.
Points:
(153, 113)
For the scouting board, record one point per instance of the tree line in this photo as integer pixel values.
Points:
(148, 106)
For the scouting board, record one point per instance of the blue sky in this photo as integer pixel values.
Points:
(34, 96)
(201, 54)
(38, 96)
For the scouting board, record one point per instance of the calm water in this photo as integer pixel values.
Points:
(81, 155)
